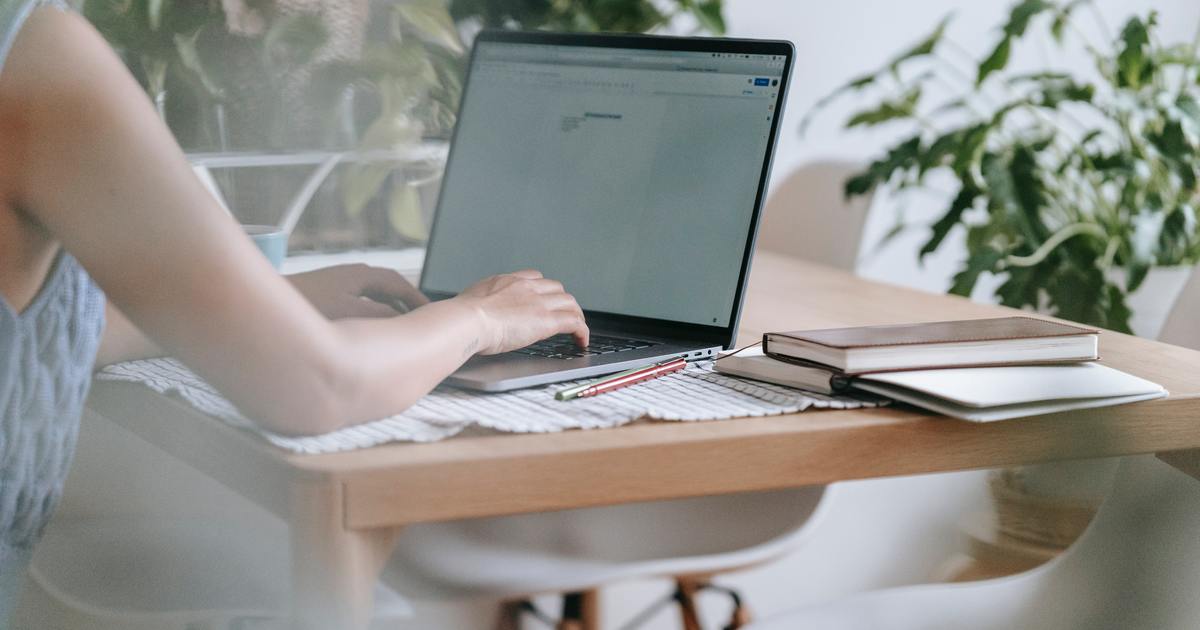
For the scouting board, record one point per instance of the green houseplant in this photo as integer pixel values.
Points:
(1070, 188)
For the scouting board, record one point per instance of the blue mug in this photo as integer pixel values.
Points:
(271, 240)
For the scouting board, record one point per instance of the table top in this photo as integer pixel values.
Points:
(485, 475)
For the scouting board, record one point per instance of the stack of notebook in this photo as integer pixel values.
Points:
(980, 370)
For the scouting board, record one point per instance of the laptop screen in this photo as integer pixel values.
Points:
(630, 175)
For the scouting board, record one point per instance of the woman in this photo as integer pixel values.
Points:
(92, 186)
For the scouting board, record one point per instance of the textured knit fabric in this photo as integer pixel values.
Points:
(46, 357)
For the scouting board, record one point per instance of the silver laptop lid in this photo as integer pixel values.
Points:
(630, 168)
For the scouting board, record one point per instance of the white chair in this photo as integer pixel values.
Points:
(808, 216)
(577, 551)
(1137, 565)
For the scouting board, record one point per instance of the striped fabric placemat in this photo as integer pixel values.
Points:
(697, 393)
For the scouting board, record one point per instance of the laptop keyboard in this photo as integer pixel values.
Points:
(563, 347)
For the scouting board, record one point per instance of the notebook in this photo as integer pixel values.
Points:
(751, 363)
(1002, 393)
(978, 394)
(966, 343)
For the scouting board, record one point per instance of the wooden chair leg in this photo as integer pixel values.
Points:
(685, 596)
(741, 616)
(686, 590)
(581, 611)
(509, 616)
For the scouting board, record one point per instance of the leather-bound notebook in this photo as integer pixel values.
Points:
(965, 343)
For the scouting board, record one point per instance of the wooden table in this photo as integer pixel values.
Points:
(345, 509)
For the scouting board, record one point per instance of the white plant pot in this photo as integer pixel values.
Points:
(1088, 481)
(1152, 302)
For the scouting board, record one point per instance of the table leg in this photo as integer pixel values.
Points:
(334, 569)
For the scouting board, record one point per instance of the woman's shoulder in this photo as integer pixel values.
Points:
(13, 14)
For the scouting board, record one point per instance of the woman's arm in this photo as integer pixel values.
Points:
(338, 292)
(89, 159)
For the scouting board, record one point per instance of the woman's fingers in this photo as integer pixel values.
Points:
(388, 286)
(574, 325)
(545, 285)
(528, 274)
(369, 308)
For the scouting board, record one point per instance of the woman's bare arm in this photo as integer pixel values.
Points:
(90, 160)
(338, 292)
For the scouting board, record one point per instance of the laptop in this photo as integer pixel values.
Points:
(632, 169)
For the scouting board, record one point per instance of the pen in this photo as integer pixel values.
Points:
(622, 379)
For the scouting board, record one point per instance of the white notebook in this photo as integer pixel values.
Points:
(981, 394)
(1002, 393)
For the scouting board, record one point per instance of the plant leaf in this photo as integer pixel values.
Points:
(962, 202)
(996, 61)
(293, 40)
(1018, 22)
(1029, 191)
(971, 151)
(1117, 314)
(431, 22)
(189, 58)
(361, 183)
(1079, 294)
(902, 157)
(1188, 104)
(1132, 62)
(903, 107)
(154, 12)
(861, 184)
(923, 48)
(1022, 14)
(986, 259)
(1062, 17)
(404, 213)
(854, 85)
(708, 15)
(1023, 287)
(1138, 270)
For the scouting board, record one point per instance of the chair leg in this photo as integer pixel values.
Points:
(686, 590)
(685, 596)
(741, 616)
(509, 616)
(581, 611)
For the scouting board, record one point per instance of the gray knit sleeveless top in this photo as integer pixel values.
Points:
(46, 357)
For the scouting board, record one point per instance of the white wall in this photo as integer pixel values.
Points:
(841, 39)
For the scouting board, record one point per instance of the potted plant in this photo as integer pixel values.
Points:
(1071, 189)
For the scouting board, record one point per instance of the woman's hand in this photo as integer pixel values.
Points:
(521, 308)
(357, 290)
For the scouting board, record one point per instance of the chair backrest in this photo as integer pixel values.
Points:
(1183, 324)
(1138, 565)
(808, 216)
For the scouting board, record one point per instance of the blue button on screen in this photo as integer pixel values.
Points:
(763, 82)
